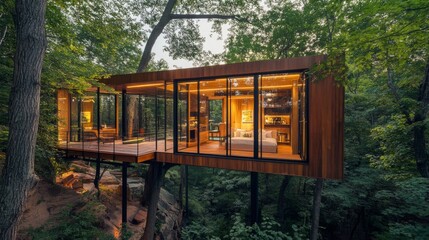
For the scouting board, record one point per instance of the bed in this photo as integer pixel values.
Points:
(243, 141)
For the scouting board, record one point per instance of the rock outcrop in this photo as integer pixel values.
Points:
(80, 178)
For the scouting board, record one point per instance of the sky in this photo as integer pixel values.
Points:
(211, 43)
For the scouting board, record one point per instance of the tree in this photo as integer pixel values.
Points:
(183, 35)
(185, 45)
(391, 40)
(2, 33)
(317, 197)
(18, 174)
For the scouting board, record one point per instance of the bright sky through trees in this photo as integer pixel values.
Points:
(213, 42)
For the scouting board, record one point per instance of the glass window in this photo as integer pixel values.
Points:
(108, 111)
(212, 126)
(63, 101)
(241, 119)
(188, 131)
(224, 116)
(279, 131)
(169, 119)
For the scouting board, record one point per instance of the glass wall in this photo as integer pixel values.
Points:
(187, 117)
(254, 116)
(134, 122)
(108, 111)
(241, 120)
(279, 116)
(63, 103)
(75, 109)
(229, 116)
(169, 118)
(212, 117)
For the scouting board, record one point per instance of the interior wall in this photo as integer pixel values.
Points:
(63, 101)
(237, 107)
(88, 106)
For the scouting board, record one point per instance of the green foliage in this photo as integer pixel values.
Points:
(4, 132)
(71, 224)
(267, 230)
(407, 211)
(197, 230)
(125, 233)
(85, 42)
(396, 150)
(183, 36)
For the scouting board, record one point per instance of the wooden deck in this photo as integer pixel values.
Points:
(116, 151)
(146, 151)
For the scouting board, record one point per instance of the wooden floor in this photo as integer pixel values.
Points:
(284, 152)
(145, 151)
(116, 150)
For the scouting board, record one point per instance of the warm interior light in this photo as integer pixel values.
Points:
(288, 76)
(146, 85)
(244, 88)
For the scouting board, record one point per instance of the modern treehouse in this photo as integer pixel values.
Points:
(265, 116)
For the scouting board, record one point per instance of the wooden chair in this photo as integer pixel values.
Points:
(222, 133)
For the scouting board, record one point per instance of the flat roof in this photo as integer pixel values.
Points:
(120, 82)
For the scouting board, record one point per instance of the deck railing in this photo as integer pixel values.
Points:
(88, 142)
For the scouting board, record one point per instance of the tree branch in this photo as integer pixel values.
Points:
(394, 90)
(424, 90)
(202, 16)
(156, 31)
(4, 35)
(416, 9)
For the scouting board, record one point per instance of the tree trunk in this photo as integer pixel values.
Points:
(18, 174)
(182, 184)
(420, 149)
(155, 183)
(317, 196)
(157, 30)
(281, 199)
(419, 127)
(3, 36)
(131, 103)
(156, 180)
(148, 184)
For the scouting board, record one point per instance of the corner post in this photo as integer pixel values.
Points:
(97, 167)
(124, 113)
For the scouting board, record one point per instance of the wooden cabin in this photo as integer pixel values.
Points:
(265, 116)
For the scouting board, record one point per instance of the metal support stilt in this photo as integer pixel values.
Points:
(124, 193)
(254, 211)
(186, 194)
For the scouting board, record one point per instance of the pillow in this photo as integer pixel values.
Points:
(268, 134)
(247, 134)
(264, 134)
(274, 134)
(238, 132)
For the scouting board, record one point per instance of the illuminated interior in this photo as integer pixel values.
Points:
(256, 116)
(220, 116)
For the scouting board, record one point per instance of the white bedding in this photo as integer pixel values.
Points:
(245, 140)
(246, 144)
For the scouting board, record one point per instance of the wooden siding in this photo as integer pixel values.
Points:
(120, 82)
